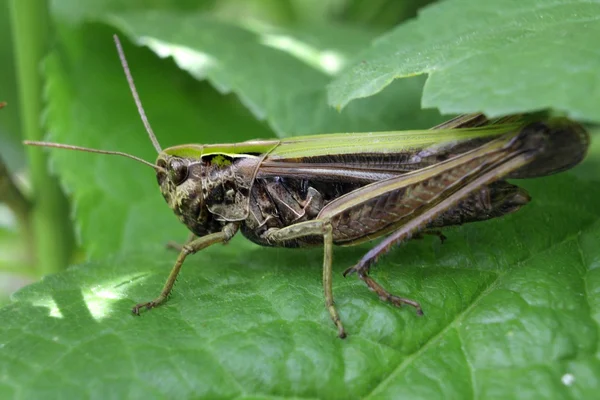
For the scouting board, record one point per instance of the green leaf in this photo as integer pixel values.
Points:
(279, 74)
(497, 57)
(78, 11)
(513, 300)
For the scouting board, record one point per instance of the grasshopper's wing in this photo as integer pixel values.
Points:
(457, 130)
(477, 120)
(374, 156)
(410, 201)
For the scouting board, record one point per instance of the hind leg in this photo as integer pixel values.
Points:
(363, 275)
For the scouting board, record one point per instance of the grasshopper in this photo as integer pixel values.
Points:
(346, 189)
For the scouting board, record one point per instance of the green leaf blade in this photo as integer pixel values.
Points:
(502, 300)
(279, 74)
(497, 58)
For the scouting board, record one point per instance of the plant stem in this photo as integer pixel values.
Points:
(11, 195)
(53, 232)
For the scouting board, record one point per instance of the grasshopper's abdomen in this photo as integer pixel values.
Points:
(492, 201)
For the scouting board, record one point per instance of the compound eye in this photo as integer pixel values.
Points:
(178, 171)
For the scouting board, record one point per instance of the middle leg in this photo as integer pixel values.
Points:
(315, 228)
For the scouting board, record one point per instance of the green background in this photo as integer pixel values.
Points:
(512, 306)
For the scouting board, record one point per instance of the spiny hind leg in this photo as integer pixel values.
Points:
(362, 272)
(387, 296)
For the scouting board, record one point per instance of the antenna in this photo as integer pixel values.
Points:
(138, 102)
(86, 149)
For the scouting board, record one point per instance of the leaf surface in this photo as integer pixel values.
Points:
(497, 57)
(279, 74)
(512, 300)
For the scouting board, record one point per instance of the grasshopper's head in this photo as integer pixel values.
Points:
(180, 184)
(180, 181)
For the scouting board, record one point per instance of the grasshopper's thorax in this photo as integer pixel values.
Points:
(209, 191)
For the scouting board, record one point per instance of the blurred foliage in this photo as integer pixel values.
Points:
(511, 300)
(10, 131)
